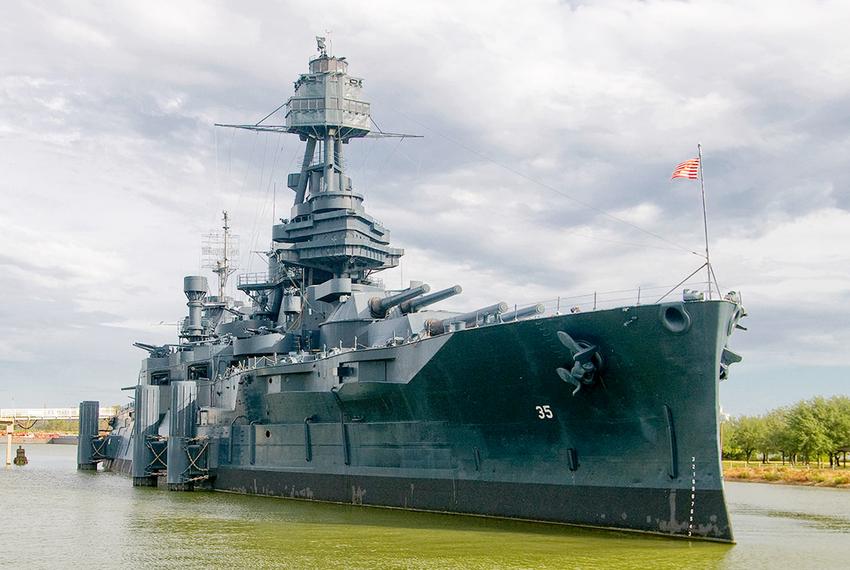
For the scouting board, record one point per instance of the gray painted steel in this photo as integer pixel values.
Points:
(144, 428)
(87, 434)
(525, 312)
(422, 302)
(330, 387)
(181, 428)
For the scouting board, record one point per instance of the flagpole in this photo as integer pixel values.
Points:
(704, 220)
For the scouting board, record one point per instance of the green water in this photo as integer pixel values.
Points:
(59, 518)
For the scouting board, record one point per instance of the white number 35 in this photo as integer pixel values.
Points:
(544, 412)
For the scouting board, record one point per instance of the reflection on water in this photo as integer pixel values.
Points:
(820, 522)
(68, 517)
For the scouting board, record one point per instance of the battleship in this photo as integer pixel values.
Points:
(324, 385)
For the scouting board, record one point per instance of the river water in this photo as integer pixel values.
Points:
(57, 517)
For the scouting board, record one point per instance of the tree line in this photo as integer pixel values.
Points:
(806, 432)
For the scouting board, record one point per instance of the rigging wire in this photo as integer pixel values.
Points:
(676, 286)
(230, 153)
(618, 242)
(261, 176)
(546, 186)
(248, 169)
(257, 214)
(261, 213)
(281, 106)
(396, 148)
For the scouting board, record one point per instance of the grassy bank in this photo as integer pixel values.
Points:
(786, 474)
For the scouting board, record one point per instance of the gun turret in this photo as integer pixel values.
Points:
(531, 311)
(154, 350)
(415, 304)
(437, 326)
(379, 306)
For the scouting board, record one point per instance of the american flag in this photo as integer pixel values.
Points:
(688, 169)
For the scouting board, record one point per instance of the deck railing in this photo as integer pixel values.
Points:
(265, 277)
(598, 300)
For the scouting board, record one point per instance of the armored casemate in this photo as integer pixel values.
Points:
(332, 388)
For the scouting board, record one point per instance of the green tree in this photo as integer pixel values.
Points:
(774, 433)
(834, 414)
(727, 439)
(809, 429)
(808, 432)
(747, 434)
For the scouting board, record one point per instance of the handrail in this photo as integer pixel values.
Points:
(265, 277)
(603, 299)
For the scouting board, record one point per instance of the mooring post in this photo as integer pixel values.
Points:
(9, 429)
(21, 457)
(89, 411)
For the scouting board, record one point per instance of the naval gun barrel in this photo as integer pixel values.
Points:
(437, 326)
(415, 304)
(531, 311)
(153, 350)
(379, 306)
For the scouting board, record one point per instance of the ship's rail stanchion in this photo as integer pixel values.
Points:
(597, 300)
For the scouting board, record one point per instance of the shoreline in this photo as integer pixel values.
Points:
(785, 483)
(788, 475)
(42, 439)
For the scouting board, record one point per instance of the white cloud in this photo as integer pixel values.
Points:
(112, 170)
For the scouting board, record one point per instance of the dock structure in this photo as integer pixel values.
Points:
(11, 415)
(26, 418)
(9, 429)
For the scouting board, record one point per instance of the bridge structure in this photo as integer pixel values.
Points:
(12, 415)
(26, 418)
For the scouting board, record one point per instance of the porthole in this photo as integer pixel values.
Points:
(268, 433)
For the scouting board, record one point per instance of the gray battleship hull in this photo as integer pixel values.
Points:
(330, 387)
(485, 426)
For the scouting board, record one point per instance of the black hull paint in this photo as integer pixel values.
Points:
(462, 433)
(658, 511)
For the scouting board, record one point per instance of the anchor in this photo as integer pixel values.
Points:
(586, 362)
(727, 358)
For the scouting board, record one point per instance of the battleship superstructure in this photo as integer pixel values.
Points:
(332, 388)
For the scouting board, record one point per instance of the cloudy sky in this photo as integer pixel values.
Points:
(550, 131)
